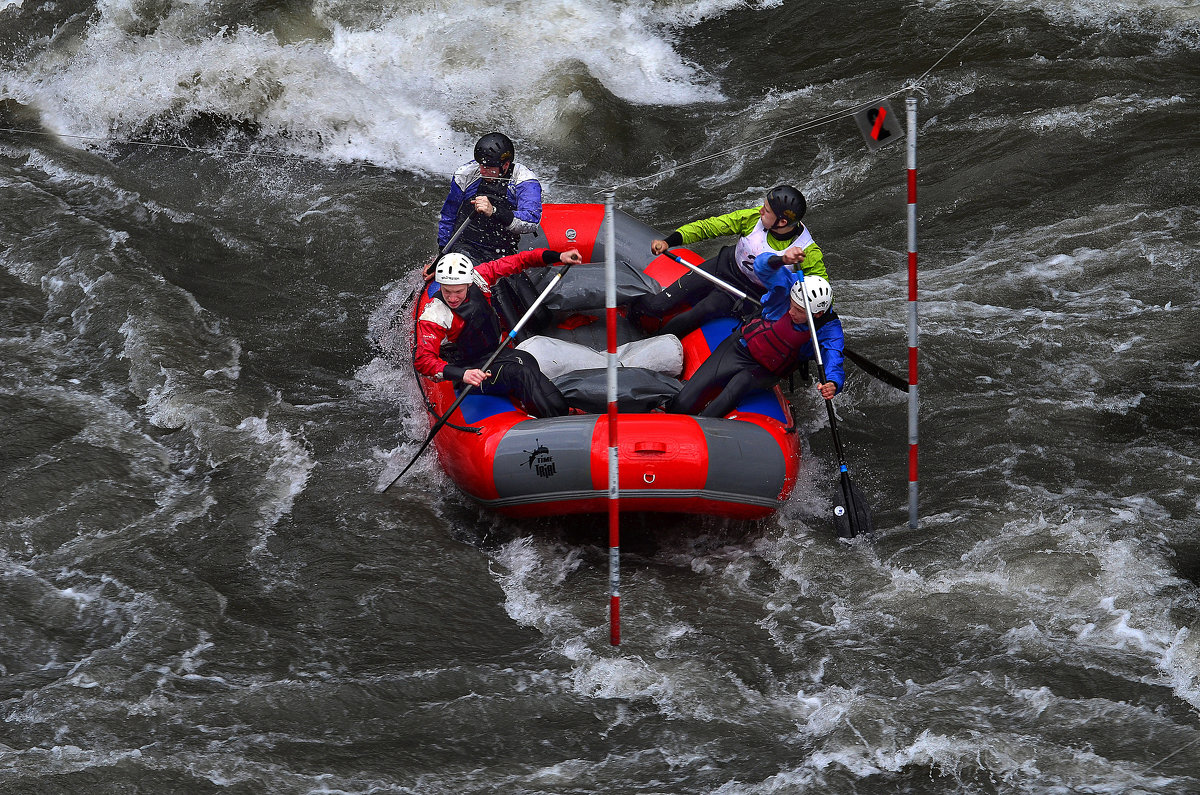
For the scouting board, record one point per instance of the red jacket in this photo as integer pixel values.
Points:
(438, 322)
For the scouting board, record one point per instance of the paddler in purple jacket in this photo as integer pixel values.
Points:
(501, 198)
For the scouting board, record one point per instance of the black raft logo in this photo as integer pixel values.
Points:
(540, 460)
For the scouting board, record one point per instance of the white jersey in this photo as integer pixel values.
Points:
(755, 243)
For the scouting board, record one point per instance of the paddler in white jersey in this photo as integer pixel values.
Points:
(775, 226)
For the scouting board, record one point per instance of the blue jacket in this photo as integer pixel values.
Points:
(521, 216)
(775, 304)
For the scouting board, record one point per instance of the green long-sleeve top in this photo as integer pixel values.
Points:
(741, 223)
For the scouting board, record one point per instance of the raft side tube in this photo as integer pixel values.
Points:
(582, 226)
(547, 458)
(664, 460)
(744, 459)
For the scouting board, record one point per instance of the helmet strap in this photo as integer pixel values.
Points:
(780, 234)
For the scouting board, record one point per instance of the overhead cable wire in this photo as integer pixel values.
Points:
(812, 123)
(917, 82)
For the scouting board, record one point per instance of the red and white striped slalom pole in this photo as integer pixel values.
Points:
(911, 104)
(614, 492)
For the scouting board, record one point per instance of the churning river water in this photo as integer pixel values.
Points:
(210, 212)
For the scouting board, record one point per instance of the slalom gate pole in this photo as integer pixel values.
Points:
(911, 103)
(614, 491)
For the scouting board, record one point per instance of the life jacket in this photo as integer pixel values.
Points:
(484, 232)
(776, 344)
(755, 243)
(480, 332)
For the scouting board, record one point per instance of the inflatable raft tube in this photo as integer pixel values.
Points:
(741, 466)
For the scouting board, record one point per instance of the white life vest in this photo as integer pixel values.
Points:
(755, 243)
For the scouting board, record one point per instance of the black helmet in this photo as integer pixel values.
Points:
(787, 203)
(494, 149)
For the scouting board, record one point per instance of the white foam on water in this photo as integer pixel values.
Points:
(390, 376)
(1089, 589)
(532, 575)
(657, 664)
(410, 87)
(1088, 119)
(528, 570)
(1121, 595)
(179, 393)
(1059, 287)
(178, 362)
(687, 13)
(1016, 760)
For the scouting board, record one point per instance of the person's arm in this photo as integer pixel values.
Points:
(454, 200)
(449, 215)
(777, 284)
(738, 222)
(475, 376)
(672, 241)
(497, 269)
(813, 263)
(833, 343)
(432, 329)
(528, 192)
(768, 264)
(770, 268)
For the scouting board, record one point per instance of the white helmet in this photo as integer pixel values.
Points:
(454, 269)
(820, 297)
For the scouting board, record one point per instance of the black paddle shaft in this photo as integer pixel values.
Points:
(853, 516)
(876, 371)
(837, 437)
(453, 238)
(442, 420)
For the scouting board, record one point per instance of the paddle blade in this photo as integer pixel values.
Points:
(851, 514)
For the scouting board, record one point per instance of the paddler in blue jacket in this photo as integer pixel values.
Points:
(502, 199)
(769, 347)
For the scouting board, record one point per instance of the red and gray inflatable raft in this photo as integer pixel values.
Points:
(742, 466)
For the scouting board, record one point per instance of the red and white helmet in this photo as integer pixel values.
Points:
(820, 297)
(454, 269)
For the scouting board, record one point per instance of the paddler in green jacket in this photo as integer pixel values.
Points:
(775, 226)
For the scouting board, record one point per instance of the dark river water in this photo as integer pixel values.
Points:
(210, 212)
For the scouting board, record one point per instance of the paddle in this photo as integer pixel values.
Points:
(437, 426)
(458, 232)
(454, 237)
(869, 367)
(724, 285)
(852, 516)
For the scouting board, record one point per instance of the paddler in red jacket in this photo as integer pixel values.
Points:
(461, 313)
